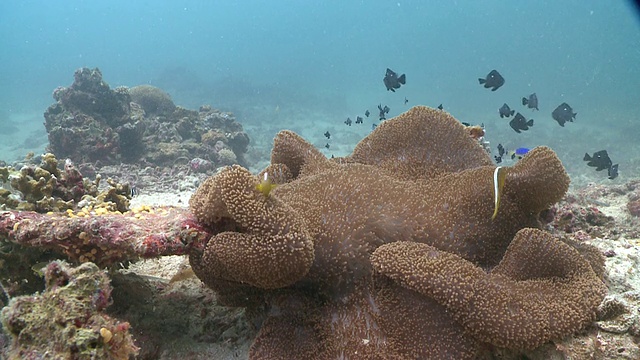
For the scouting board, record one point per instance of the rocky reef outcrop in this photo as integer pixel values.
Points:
(92, 123)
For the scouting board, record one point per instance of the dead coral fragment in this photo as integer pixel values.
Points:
(67, 320)
(103, 237)
(634, 207)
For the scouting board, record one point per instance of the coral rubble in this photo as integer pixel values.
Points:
(67, 321)
(598, 215)
(92, 123)
(186, 316)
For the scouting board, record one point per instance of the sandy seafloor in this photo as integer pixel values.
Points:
(168, 294)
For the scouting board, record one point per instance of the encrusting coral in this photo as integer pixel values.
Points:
(322, 255)
(103, 237)
(47, 188)
(67, 321)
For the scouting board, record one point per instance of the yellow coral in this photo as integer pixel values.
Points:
(106, 335)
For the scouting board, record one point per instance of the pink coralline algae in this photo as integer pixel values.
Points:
(199, 165)
(634, 206)
(575, 213)
(104, 239)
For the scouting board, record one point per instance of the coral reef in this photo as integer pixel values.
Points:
(186, 134)
(185, 314)
(304, 254)
(67, 321)
(91, 123)
(46, 188)
(574, 217)
(351, 286)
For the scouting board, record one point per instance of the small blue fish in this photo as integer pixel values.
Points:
(519, 153)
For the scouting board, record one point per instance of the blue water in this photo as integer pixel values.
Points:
(307, 65)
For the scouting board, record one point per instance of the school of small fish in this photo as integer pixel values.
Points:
(562, 114)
